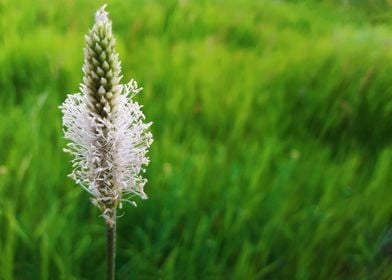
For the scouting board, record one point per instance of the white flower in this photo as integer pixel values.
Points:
(108, 136)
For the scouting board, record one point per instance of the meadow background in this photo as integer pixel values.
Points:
(273, 140)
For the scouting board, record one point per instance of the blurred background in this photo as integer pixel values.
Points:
(272, 156)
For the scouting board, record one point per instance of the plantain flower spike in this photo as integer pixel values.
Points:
(108, 136)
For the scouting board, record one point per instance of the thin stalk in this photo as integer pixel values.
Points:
(111, 248)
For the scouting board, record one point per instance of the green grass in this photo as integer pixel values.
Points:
(273, 141)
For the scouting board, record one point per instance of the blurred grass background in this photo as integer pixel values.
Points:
(272, 156)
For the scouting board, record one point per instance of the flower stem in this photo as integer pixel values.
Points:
(111, 248)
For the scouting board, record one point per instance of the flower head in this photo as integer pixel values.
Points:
(108, 136)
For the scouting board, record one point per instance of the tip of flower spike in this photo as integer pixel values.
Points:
(101, 15)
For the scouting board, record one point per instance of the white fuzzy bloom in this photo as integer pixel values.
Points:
(108, 136)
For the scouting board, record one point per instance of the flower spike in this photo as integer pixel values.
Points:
(108, 136)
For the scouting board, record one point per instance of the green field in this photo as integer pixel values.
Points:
(272, 153)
